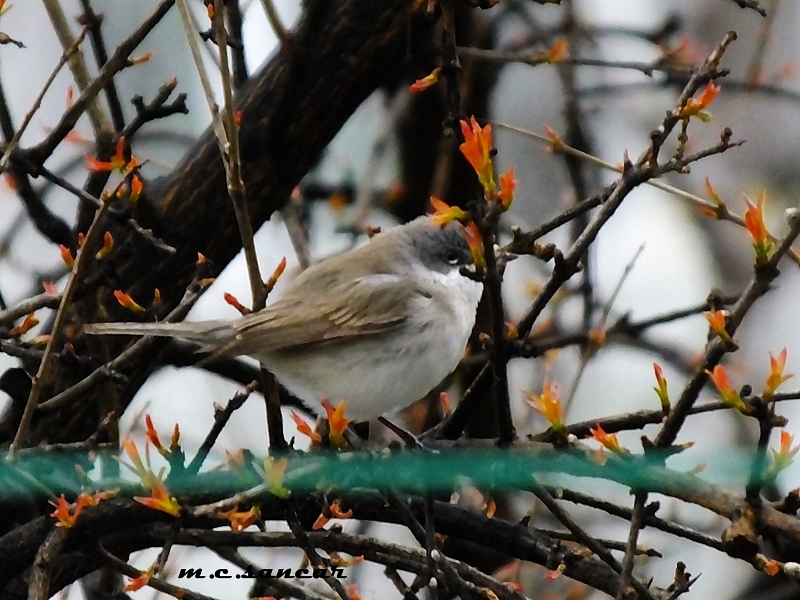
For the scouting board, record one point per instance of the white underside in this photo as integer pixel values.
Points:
(381, 373)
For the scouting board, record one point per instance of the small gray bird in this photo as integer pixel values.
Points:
(377, 327)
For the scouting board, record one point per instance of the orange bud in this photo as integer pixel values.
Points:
(729, 396)
(337, 422)
(717, 320)
(160, 499)
(507, 185)
(234, 302)
(423, 84)
(444, 213)
(305, 428)
(337, 201)
(152, 434)
(558, 52)
(771, 567)
(140, 59)
(133, 453)
(116, 163)
(444, 401)
(66, 256)
(321, 521)
(95, 499)
(475, 242)
(695, 107)
(784, 456)
(715, 197)
(270, 283)
(136, 189)
(127, 302)
(338, 513)
(608, 440)
(11, 180)
(754, 222)
(174, 442)
(477, 149)
(235, 462)
(139, 582)
(776, 376)
(556, 143)
(64, 516)
(661, 390)
(241, 520)
(353, 591)
(108, 246)
(274, 471)
(555, 573)
(29, 323)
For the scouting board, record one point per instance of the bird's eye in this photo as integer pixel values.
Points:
(451, 258)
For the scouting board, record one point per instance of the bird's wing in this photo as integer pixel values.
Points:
(370, 305)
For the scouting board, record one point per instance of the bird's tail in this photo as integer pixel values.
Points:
(211, 334)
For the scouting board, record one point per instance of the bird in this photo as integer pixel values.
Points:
(376, 327)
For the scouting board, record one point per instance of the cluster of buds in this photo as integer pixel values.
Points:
(160, 498)
(269, 284)
(477, 149)
(337, 424)
(729, 396)
(66, 515)
(332, 511)
(126, 167)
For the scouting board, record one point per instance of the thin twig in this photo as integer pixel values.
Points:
(94, 22)
(194, 46)
(37, 103)
(140, 346)
(154, 582)
(47, 222)
(146, 234)
(641, 418)
(759, 285)
(221, 417)
(540, 58)
(28, 306)
(39, 584)
(116, 63)
(585, 539)
(234, 14)
(694, 199)
(637, 521)
(233, 161)
(753, 5)
(82, 262)
(590, 350)
(274, 19)
(314, 557)
(77, 62)
(297, 233)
